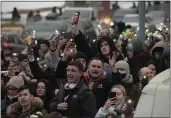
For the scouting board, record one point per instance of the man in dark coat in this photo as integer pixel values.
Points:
(75, 100)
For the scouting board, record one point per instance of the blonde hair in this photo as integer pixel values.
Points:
(120, 87)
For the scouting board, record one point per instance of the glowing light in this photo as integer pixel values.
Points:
(94, 40)
(71, 40)
(38, 59)
(135, 35)
(111, 23)
(161, 23)
(129, 39)
(167, 29)
(114, 40)
(137, 28)
(129, 101)
(99, 26)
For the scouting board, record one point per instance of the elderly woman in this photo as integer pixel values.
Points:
(117, 104)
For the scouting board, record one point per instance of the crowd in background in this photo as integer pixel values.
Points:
(70, 77)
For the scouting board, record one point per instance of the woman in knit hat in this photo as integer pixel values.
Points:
(116, 104)
(12, 86)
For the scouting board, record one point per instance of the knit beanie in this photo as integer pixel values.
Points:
(22, 57)
(15, 81)
(77, 63)
(46, 42)
(80, 55)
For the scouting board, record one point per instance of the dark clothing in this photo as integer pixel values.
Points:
(137, 62)
(6, 102)
(81, 102)
(101, 90)
(51, 77)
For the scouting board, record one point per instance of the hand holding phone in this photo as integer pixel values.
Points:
(75, 19)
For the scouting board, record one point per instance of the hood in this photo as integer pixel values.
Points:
(160, 44)
(124, 65)
(109, 41)
(16, 107)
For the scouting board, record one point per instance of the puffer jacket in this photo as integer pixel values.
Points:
(37, 106)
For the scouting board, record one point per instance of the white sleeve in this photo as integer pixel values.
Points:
(102, 113)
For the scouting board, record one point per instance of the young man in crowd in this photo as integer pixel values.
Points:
(27, 105)
(75, 99)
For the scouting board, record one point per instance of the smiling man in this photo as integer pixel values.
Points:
(75, 100)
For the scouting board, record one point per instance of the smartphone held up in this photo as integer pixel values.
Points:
(75, 19)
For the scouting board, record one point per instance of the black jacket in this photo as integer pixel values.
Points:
(81, 102)
(101, 90)
(5, 103)
(53, 78)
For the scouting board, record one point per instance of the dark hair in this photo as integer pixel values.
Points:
(112, 115)
(76, 63)
(49, 88)
(96, 58)
(24, 87)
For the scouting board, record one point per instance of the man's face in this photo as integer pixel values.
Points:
(83, 61)
(24, 63)
(146, 72)
(24, 97)
(73, 74)
(95, 68)
(105, 49)
(41, 89)
(44, 48)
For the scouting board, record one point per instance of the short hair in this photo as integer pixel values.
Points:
(96, 58)
(24, 88)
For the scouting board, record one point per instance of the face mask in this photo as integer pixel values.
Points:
(122, 74)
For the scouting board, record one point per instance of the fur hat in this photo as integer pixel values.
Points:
(15, 81)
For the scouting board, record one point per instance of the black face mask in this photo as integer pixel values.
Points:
(122, 75)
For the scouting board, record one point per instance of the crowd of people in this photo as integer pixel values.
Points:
(70, 78)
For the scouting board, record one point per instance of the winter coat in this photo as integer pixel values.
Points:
(115, 109)
(37, 106)
(6, 102)
(101, 90)
(81, 102)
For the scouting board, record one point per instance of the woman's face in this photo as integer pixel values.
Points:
(153, 68)
(119, 96)
(41, 89)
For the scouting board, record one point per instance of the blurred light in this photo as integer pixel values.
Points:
(38, 59)
(161, 23)
(147, 30)
(107, 20)
(75, 46)
(34, 34)
(156, 32)
(94, 40)
(137, 28)
(167, 29)
(99, 26)
(57, 32)
(71, 40)
(114, 40)
(111, 23)
(36, 42)
(63, 32)
(129, 39)
(148, 38)
(129, 101)
(71, 50)
(14, 54)
(121, 36)
(45, 65)
(135, 34)
(110, 29)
